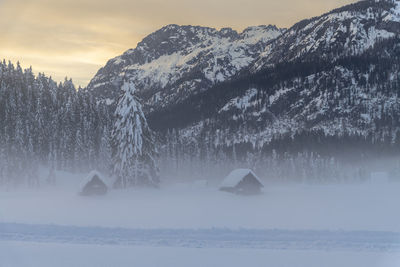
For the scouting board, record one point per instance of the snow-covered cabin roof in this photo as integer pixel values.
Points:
(234, 178)
(90, 176)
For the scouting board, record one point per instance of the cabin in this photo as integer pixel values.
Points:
(243, 182)
(93, 184)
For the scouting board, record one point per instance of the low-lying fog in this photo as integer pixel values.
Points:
(371, 205)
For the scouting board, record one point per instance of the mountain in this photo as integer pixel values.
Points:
(348, 30)
(178, 61)
(353, 95)
(329, 84)
(335, 87)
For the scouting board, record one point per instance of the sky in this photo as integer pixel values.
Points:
(75, 38)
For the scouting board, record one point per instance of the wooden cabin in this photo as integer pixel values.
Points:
(243, 182)
(93, 184)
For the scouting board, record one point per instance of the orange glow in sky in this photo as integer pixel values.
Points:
(75, 38)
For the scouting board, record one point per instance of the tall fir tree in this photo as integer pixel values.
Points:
(133, 144)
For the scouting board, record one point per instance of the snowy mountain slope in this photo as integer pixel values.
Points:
(354, 95)
(337, 74)
(349, 30)
(177, 61)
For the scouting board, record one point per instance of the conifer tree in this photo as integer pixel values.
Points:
(133, 143)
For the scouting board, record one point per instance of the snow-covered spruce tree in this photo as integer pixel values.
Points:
(133, 146)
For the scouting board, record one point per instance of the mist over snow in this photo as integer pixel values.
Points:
(289, 224)
(194, 205)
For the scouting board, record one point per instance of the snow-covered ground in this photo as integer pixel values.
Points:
(67, 255)
(206, 238)
(195, 225)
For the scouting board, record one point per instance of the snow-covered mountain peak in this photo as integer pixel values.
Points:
(347, 30)
(261, 33)
(179, 60)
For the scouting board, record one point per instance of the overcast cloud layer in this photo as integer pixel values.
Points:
(75, 38)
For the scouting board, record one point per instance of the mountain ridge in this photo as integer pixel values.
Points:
(322, 75)
(165, 59)
(352, 28)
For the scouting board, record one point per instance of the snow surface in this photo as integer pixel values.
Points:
(241, 103)
(16, 254)
(236, 176)
(376, 241)
(191, 225)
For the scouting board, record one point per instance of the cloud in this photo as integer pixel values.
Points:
(76, 37)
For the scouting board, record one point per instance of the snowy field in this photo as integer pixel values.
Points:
(67, 255)
(194, 225)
